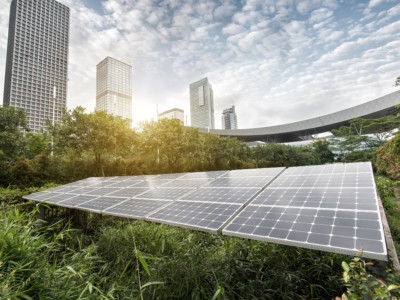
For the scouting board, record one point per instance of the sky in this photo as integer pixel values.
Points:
(277, 61)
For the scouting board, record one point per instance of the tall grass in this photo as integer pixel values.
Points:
(107, 259)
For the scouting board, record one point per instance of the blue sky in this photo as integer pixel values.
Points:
(276, 61)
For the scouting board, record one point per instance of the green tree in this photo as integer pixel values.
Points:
(12, 120)
(36, 143)
(169, 142)
(101, 134)
(381, 128)
(322, 150)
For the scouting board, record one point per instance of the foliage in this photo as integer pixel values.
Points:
(358, 156)
(279, 155)
(11, 138)
(362, 285)
(98, 133)
(390, 203)
(381, 128)
(323, 151)
(36, 144)
(387, 158)
(169, 142)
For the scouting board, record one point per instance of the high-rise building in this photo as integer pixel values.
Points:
(114, 87)
(174, 113)
(202, 104)
(229, 118)
(37, 60)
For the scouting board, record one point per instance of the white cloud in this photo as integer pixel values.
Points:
(277, 61)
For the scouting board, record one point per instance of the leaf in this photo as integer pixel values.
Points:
(163, 245)
(152, 283)
(393, 287)
(345, 266)
(143, 261)
(346, 277)
(217, 293)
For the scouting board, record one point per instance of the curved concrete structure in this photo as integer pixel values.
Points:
(296, 131)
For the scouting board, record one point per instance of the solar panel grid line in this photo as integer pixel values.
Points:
(98, 205)
(72, 202)
(130, 202)
(170, 193)
(196, 218)
(333, 198)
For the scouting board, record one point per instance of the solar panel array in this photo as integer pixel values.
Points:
(330, 207)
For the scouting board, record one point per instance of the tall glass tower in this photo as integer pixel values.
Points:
(201, 104)
(37, 60)
(114, 87)
(229, 118)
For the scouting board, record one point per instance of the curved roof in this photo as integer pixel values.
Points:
(296, 131)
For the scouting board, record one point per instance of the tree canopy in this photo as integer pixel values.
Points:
(98, 133)
(12, 121)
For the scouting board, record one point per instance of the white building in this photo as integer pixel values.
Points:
(114, 87)
(229, 118)
(174, 113)
(202, 104)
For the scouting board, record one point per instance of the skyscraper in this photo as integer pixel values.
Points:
(229, 118)
(175, 113)
(114, 87)
(37, 60)
(202, 104)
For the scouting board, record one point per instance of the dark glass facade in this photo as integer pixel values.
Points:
(37, 60)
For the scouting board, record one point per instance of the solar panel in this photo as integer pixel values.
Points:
(125, 183)
(171, 176)
(254, 172)
(129, 192)
(329, 207)
(76, 200)
(221, 195)
(135, 208)
(324, 198)
(165, 193)
(151, 183)
(101, 203)
(329, 211)
(101, 191)
(249, 182)
(203, 216)
(329, 169)
(323, 180)
(195, 182)
(199, 175)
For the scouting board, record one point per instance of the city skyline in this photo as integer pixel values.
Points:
(37, 60)
(279, 62)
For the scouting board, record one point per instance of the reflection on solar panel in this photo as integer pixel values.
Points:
(330, 207)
